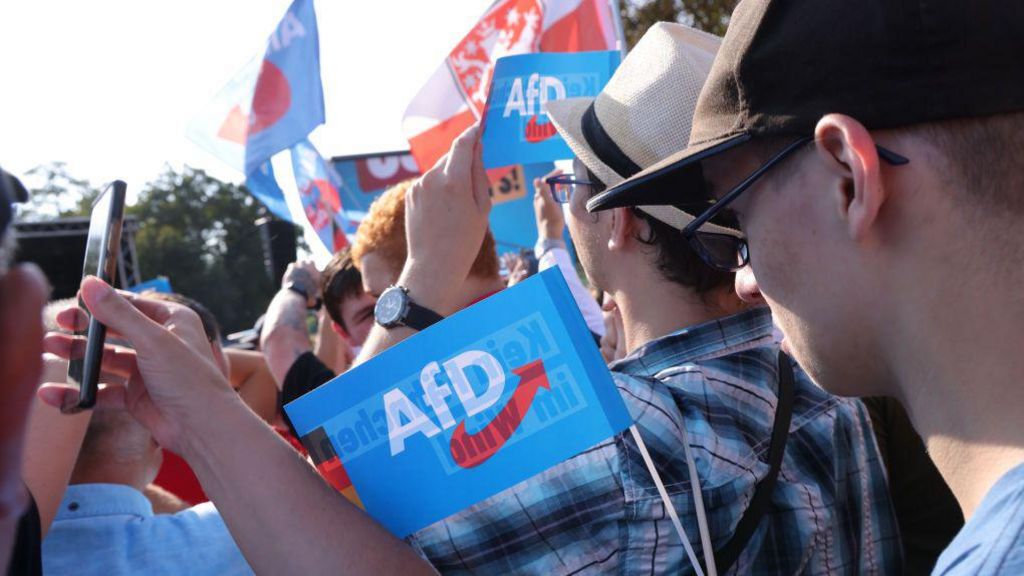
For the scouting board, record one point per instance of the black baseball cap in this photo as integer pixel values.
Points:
(784, 64)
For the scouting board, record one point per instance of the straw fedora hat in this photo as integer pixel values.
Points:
(644, 113)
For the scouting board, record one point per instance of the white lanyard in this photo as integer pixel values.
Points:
(698, 500)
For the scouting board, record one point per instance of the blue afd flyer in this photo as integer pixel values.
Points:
(491, 396)
(516, 126)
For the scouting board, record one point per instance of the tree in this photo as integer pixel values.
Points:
(707, 15)
(60, 196)
(200, 233)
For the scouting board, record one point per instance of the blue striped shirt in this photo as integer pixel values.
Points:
(599, 512)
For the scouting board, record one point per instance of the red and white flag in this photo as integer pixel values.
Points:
(454, 97)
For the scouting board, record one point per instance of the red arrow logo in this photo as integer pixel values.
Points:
(469, 450)
(539, 132)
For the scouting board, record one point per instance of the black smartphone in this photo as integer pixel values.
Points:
(102, 249)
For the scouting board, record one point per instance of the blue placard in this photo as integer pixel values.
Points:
(516, 128)
(158, 284)
(491, 396)
(363, 178)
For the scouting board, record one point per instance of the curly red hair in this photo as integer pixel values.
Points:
(383, 232)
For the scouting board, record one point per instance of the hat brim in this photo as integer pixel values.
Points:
(667, 182)
(567, 116)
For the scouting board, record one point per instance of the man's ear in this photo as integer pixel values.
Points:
(341, 332)
(624, 225)
(848, 151)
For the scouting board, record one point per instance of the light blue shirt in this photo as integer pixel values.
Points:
(105, 529)
(993, 541)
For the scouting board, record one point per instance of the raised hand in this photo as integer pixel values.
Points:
(303, 275)
(550, 220)
(171, 375)
(446, 213)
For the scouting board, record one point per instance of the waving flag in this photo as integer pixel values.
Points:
(273, 102)
(318, 189)
(263, 185)
(454, 97)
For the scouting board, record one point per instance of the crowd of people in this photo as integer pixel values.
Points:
(797, 260)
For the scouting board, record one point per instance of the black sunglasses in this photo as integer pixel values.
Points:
(730, 253)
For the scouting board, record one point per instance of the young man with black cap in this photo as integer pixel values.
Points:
(702, 357)
(872, 154)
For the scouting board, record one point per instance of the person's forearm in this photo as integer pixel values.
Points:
(589, 307)
(380, 339)
(251, 376)
(284, 517)
(327, 344)
(51, 447)
(285, 334)
(425, 289)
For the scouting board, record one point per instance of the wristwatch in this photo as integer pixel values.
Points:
(303, 290)
(395, 308)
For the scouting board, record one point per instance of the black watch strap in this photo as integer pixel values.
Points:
(301, 289)
(420, 318)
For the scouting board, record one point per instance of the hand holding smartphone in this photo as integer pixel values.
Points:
(101, 254)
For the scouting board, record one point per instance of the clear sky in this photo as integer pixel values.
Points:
(108, 86)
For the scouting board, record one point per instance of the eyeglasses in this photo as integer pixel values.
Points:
(727, 252)
(564, 186)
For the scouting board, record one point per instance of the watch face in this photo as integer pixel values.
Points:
(390, 306)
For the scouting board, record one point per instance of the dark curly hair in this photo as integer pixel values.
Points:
(674, 258)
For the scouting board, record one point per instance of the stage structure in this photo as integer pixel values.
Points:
(58, 247)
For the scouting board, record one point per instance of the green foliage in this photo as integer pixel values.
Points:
(200, 233)
(192, 228)
(707, 15)
(60, 196)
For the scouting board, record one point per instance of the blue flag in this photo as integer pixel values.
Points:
(288, 102)
(318, 189)
(516, 127)
(491, 396)
(263, 185)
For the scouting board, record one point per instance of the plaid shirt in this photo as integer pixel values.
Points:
(599, 512)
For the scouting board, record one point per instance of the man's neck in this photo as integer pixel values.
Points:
(127, 475)
(652, 307)
(960, 373)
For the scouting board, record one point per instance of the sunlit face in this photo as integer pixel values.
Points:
(589, 236)
(357, 313)
(800, 261)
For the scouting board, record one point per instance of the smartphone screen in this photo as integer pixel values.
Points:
(102, 248)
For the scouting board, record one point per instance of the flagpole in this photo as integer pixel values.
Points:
(620, 32)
